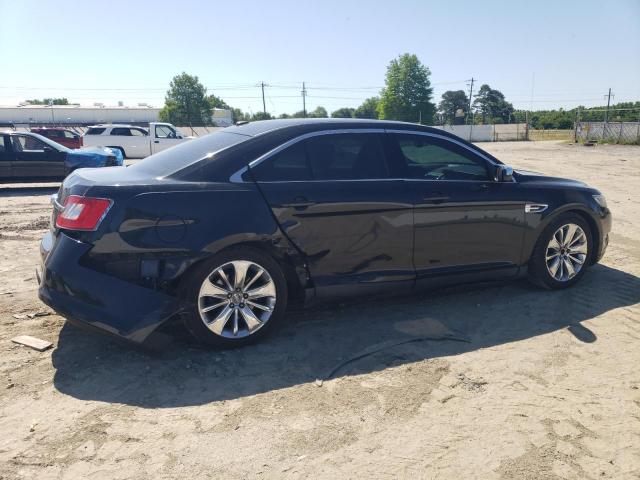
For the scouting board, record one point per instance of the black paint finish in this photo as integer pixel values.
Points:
(331, 237)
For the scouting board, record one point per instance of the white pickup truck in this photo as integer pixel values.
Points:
(132, 141)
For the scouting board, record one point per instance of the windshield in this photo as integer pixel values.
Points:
(176, 158)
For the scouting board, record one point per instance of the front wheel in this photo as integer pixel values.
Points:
(562, 253)
(235, 298)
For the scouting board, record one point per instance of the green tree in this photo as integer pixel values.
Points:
(186, 102)
(368, 109)
(261, 116)
(238, 115)
(47, 101)
(217, 102)
(319, 112)
(344, 112)
(451, 102)
(407, 92)
(491, 105)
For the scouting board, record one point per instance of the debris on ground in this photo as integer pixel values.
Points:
(32, 342)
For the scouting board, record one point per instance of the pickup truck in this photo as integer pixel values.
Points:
(133, 141)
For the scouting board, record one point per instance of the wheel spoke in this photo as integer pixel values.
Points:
(214, 306)
(571, 232)
(569, 268)
(235, 322)
(577, 258)
(255, 277)
(220, 321)
(267, 290)
(212, 290)
(553, 255)
(553, 267)
(240, 273)
(250, 318)
(225, 279)
(581, 248)
(266, 308)
(554, 244)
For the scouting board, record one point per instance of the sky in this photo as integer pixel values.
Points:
(542, 54)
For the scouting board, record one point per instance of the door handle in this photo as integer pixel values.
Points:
(435, 197)
(298, 202)
(483, 187)
(156, 141)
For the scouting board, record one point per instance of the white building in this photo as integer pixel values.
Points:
(80, 115)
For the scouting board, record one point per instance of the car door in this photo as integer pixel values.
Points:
(164, 137)
(333, 197)
(6, 157)
(35, 159)
(464, 221)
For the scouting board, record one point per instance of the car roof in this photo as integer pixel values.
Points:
(117, 125)
(253, 129)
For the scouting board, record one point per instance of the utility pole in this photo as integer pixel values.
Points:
(264, 106)
(606, 115)
(304, 100)
(469, 114)
(51, 107)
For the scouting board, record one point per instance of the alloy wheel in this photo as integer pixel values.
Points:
(566, 252)
(237, 299)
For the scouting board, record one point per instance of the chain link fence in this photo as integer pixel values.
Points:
(610, 132)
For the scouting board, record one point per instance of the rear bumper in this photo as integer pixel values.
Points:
(97, 300)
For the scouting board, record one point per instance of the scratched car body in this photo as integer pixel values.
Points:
(225, 231)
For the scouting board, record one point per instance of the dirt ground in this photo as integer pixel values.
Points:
(547, 385)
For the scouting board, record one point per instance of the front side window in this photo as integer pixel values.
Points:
(347, 156)
(163, 131)
(137, 133)
(430, 158)
(23, 143)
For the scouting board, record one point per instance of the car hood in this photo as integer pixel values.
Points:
(93, 156)
(526, 176)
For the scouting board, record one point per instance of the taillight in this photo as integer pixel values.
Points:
(83, 213)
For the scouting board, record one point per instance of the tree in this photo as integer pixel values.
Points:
(238, 115)
(47, 101)
(368, 109)
(261, 116)
(344, 112)
(217, 102)
(491, 105)
(319, 112)
(186, 102)
(451, 102)
(407, 92)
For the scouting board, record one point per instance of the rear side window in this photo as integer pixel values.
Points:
(68, 134)
(95, 131)
(120, 131)
(327, 157)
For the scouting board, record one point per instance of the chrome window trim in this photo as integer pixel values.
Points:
(237, 176)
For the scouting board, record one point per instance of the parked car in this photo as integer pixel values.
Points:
(32, 157)
(68, 138)
(135, 142)
(227, 229)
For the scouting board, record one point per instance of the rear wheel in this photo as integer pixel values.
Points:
(235, 298)
(562, 253)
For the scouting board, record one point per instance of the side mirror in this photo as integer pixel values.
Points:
(504, 173)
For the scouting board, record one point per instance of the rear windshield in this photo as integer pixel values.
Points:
(176, 158)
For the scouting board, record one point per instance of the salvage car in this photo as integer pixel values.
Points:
(226, 230)
(29, 157)
(63, 136)
(133, 141)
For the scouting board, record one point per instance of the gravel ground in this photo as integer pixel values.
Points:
(547, 387)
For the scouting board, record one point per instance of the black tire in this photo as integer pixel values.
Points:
(191, 291)
(538, 272)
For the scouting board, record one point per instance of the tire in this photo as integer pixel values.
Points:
(578, 248)
(212, 319)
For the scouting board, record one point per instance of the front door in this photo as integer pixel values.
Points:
(6, 156)
(465, 222)
(164, 137)
(32, 158)
(333, 197)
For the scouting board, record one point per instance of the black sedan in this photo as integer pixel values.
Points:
(229, 228)
(29, 157)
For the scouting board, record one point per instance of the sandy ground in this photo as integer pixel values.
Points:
(547, 387)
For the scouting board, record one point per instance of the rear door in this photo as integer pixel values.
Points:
(465, 222)
(35, 159)
(6, 157)
(334, 198)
